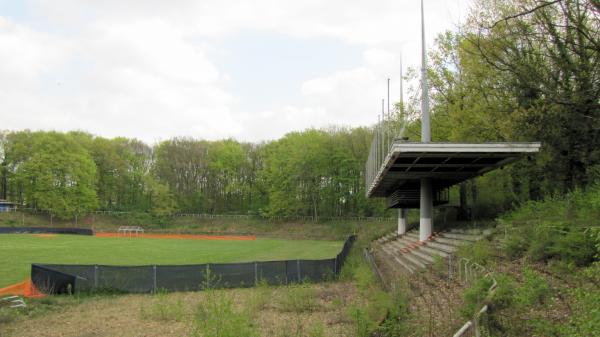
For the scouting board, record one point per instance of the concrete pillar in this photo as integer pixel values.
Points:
(402, 220)
(426, 221)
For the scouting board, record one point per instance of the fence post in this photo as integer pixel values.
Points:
(95, 276)
(335, 262)
(208, 276)
(450, 267)
(154, 277)
(298, 269)
(255, 273)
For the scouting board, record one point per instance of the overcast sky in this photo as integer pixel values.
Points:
(211, 69)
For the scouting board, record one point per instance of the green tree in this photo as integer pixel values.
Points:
(59, 176)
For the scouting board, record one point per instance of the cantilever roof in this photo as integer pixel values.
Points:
(445, 163)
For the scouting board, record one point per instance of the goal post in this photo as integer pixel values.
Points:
(130, 230)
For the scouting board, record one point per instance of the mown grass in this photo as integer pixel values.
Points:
(19, 251)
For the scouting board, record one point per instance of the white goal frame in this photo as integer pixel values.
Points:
(130, 230)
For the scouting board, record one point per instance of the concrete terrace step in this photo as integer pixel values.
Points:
(440, 246)
(403, 263)
(423, 255)
(415, 259)
(464, 237)
(406, 253)
(433, 251)
(386, 238)
(397, 244)
(408, 243)
(451, 242)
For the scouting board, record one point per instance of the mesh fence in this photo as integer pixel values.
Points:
(62, 278)
(45, 230)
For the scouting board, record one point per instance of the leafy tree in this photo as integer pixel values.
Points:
(59, 175)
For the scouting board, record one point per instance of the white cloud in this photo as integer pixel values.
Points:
(142, 68)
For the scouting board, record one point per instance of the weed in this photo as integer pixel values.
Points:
(8, 315)
(480, 252)
(474, 296)
(317, 330)
(534, 289)
(216, 317)
(163, 309)
(363, 324)
(299, 298)
(259, 298)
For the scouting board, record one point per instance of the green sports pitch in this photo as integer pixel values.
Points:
(19, 251)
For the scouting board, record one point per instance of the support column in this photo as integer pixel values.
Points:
(426, 221)
(402, 220)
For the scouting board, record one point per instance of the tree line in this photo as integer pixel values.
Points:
(312, 173)
(516, 70)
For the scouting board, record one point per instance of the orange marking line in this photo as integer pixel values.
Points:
(44, 235)
(177, 236)
(25, 289)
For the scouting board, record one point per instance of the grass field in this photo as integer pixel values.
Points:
(18, 251)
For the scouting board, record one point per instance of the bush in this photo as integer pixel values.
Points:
(585, 320)
(475, 296)
(163, 309)
(298, 298)
(480, 252)
(7, 315)
(216, 317)
(364, 325)
(534, 289)
(575, 246)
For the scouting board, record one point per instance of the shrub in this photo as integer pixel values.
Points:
(216, 317)
(585, 321)
(575, 246)
(317, 330)
(534, 290)
(7, 315)
(163, 309)
(363, 324)
(298, 298)
(480, 252)
(474, 297)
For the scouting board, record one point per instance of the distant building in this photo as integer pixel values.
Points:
(7, 206)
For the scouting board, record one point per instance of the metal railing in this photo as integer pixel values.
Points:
(384, 134)
(469, 271)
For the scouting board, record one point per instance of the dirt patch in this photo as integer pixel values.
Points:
(177, 236)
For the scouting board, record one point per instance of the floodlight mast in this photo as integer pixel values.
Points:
(426, 200)
(425, 121)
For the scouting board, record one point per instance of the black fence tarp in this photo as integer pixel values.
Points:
(62, 278)
(45, 230)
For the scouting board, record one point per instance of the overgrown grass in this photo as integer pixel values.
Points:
(557, 228)
(298, 298)
(163, 308)
(217, 317)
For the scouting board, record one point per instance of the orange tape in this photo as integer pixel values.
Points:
(25, 289)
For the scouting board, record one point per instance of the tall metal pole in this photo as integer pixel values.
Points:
(426, 202)
(384, 143)
(388, 105)
(391, 135)
(402, 212)
(425, 121)
(401, 86)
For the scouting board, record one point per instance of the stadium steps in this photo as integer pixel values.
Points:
(408, 253)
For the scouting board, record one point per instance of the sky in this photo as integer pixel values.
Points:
(207, 69)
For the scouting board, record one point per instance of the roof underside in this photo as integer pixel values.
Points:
(446, 164)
